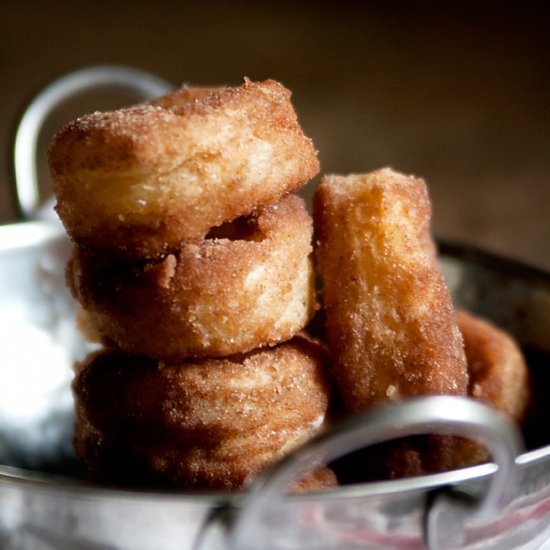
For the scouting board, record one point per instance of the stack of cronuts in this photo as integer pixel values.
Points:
(193, 266)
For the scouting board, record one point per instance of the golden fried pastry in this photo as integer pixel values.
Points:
(212, 423)
(324, 478)
(250, 285)
(141, 181)
(498, 375)
(391, 325)
(498, 371)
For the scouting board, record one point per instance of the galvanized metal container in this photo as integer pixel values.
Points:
(46, 502)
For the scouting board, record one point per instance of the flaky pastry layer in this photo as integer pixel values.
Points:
(390, 319)
(498, 372)
(143, 180)
(249, 285)
(213, 423)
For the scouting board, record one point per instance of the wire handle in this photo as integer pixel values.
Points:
(110, 77)
(447, 415)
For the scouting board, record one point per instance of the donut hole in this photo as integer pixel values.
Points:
(244, 228)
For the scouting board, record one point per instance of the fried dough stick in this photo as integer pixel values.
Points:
(390, 320)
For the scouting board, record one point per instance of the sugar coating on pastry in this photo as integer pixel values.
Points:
(499, 374)
(390, 320)
(250, 284)
(212, 423)
(144, 179)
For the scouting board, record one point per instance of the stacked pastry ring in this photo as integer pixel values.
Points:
(391, 325)
(211, 298)
(209, 423)
(193, 266)
(141, 181)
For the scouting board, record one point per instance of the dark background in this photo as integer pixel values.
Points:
(456, 92)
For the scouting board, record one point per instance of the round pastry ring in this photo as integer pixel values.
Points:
(214, 298)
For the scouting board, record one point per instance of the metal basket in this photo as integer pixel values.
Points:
(47, 503)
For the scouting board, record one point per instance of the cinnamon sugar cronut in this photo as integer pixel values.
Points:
(211, 423)
(249, 285)
(392, 328)
(391, 324)
(141, 181)
(498, 376)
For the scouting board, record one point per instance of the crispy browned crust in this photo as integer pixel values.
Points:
(390, 320)
(142, 180)
(215, 298)
(324, 478)
(184, 96)
(213, 423)
(498, 371)
(498, 376)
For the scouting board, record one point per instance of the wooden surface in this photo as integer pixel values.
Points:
(460, 96)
